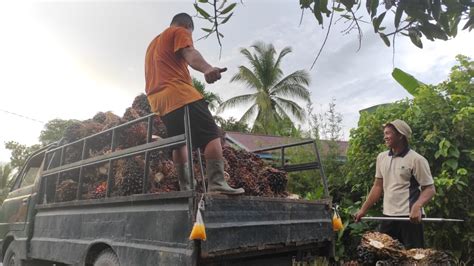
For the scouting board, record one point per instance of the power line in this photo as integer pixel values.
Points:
(23, 116)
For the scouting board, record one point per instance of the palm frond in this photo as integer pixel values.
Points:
(253, 59)
(247, 77)
(232, 102)
(296, 91)
(263, 67)
(249, 114)
(281, 112)
(297, 77)
(262, 47)
(293, 85)
(290, 106)
(282, 54)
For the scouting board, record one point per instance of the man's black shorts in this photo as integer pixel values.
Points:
(410, 234)
(203, 126)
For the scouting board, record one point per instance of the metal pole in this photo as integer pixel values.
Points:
(109, 180)
(202, 172)
(80, 181)
(61, 160)
(282, 157)
(109, 174)
(146, 171)
(408, 219)
(189, 145)
(321, 170)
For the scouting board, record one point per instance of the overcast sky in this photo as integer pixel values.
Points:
(72, 59)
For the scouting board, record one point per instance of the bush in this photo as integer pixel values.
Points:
(442, 120)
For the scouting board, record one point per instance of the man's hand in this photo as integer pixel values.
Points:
(358, 215)
(213, 74)
(427, 192)
(415, 214)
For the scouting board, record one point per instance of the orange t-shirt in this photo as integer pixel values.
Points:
(168, 82)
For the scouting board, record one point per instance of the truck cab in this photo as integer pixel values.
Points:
(17, 210)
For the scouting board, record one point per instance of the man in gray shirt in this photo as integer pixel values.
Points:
(403, 177)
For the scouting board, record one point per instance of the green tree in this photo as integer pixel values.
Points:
(442, 119)
(212, 98)
(53, 130)
(19, 153)
(270, 89)
(329, 125)
(308, 183)
(231, 124)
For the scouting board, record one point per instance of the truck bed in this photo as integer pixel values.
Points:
(245, 225)
(237, 227)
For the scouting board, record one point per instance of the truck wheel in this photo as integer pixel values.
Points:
(11, 258)
(107, 258)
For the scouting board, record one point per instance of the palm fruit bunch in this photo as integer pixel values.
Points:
(72, 153)
(242, 168)
(80, 130)
(247, 170)
(66, 190)
(128, 175)
(101, 144)
(427, 257)
(277, 180)
(74, 132)
(163, 177)
(132, 135)
(93, 176)
(142, 107)
(377, 246)
(100, 191)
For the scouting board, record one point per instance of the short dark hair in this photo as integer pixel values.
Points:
(183, 19)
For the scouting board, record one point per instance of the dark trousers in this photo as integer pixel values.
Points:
(409, 234)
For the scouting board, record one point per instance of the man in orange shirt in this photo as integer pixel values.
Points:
(169, 89)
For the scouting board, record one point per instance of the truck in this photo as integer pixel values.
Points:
(154, 228)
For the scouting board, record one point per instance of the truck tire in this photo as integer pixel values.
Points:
(107, 258)
(11, 258)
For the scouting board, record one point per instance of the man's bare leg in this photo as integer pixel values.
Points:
(180, 155)
(213, 150)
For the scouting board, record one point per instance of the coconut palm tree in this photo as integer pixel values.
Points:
(212, 98)
(271, 89)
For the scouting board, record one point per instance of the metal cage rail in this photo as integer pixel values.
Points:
(302, 166)
(55, 164)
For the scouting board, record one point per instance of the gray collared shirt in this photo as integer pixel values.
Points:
(402, 175)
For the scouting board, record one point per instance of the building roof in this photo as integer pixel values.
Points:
(251, 142)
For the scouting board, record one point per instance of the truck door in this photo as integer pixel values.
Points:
(15, 207)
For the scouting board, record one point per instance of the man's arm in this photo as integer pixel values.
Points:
(194, 58)
(374, 195)
(427, 192)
